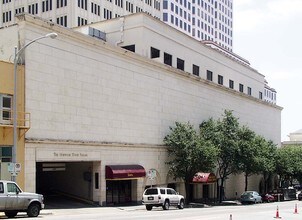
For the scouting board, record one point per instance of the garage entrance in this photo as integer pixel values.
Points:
(65, 179)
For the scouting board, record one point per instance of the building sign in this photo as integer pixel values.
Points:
(67, 155)
(204, 178)
(60, 154)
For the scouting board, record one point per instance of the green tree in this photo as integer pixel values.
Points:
(189, 153)
(248, 153)
(268, 162)
(289, 163)
(223, 134)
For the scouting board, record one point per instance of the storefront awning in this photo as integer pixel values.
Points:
(114, 172)
(204, 178)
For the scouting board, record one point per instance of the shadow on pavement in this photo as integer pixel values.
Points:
(64, 202)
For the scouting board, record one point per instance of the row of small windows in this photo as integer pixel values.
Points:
(82, 4)
(81, 21)
(61, 3)
(33, 9)
(129, 6)
(184, 3)
(7, 16)
(19, 10)
(107, 14)
(6, 1)
(46, 5)
(231, 83)
(180, 64)
(95, 9)
(119, 3)
(62, 20)
(177, 22)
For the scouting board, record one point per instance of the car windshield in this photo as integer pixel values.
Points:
(247, 194)
(151, 192)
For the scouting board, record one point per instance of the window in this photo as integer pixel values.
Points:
(240, 87)
(220, 80)
(209, 75)
(7, 16)
(46, 5)
(249, 90)
(33, 9)
(180, 64)
(96, 180)
(165, 4)
(195, 70)
(19, 10)
(155, 53)
(61, 3)
(1, 188)
(165, 17)
(12, 188)
(82, 4)
(260, 95)
(81, 21)
(171, 192)
(168, 59)
(130, 47)
(97, 33)
(231, 84)
(5, 109)
(62, 21)
(5, 154)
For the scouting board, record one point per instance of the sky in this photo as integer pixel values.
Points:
(268, 33)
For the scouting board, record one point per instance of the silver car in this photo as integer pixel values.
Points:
(250, 197)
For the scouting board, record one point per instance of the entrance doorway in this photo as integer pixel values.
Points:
(118, 192)
(64, 180)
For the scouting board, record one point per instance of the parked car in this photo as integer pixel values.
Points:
(164, 197)
(268, 198)
(14, 200)
(250, 197)
(300, 196)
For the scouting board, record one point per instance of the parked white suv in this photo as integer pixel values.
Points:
(157, 196)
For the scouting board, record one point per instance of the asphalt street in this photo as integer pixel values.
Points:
(286, 210)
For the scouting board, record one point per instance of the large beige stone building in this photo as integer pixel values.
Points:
(99, 112)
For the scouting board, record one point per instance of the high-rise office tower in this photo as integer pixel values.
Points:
(204, 20)
(73, 13)
(210, 20)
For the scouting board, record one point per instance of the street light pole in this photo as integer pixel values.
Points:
(15, 112)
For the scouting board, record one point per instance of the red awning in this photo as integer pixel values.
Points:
(114, 172)
(204, 178)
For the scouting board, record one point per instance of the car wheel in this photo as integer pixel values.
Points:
(149, 207)
(11, 214)
(166, 205)
(181, 204)
(33, 210)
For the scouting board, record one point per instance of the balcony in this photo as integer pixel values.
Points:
(7, 119)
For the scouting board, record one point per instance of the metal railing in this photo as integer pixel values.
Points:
(7, 119)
